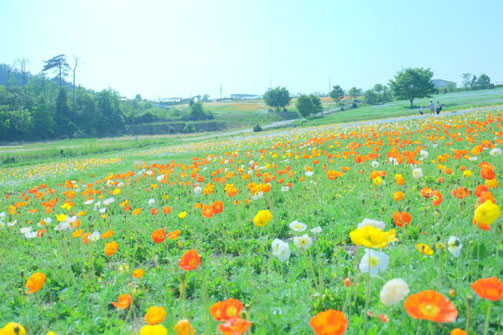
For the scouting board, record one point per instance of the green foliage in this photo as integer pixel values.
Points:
(484, 81)
(59, 65)
(278, 97)
(337, 93)
(257, 128)
(412, 83)
(308, 104)
(355, 92)
(189, 127)
(379, 94)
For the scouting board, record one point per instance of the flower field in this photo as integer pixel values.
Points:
(385, 228)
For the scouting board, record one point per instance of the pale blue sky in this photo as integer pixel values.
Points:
(177, 48)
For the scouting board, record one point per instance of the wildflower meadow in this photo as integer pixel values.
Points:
(374, 228)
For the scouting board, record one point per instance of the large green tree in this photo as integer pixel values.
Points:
(337, 93)
(308, 104)
(412, 83)
(278, 97)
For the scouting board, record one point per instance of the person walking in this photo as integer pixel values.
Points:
(432, 107)
(421, 110)
(438, 107)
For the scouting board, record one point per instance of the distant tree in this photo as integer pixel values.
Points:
(278, 97)
(354, 92)
(451, 87)
(197, 112)
(466, 79)
(206, 98)
(474, 82)
(370, 97)
(308, 104)
(59, 64)
(337, 93)
(412, 83)
(484, 81)
(43, 122)
(12, 82)
(189, 127)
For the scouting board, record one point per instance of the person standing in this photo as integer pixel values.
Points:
(438, 107)
(432, 107)
(421, 110)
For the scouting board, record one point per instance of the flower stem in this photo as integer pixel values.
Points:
(488, 316)
(367, 303)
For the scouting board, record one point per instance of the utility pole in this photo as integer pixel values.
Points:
(75, 64)
(220, 91)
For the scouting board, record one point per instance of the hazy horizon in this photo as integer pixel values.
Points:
(165, 49)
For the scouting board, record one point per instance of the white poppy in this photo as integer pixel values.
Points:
(454, 246)
(373, 223)
(88, 202)
(108, 201)
(95, 236)
(495, 152)
(160, 177)
(280, 250)
(198, 190)
(394, 291)
(472, 158)
(302, 242)
(2, 216)
(417, 173)
(309, 173)
(297, 226)
(12, 223)
(151, 202)
(423, 154)
(285, 189)
(374, 164)
(374, 262)
(316, 230)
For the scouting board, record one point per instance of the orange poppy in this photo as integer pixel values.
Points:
(166, 210)
(183, 327)
(430, 305)
(155, 315)
(35, 282)
(436, 198)
(480, 189)
(138, 273)
(401, 218)
(218, 207)
(426, 192)
(397, 196)
(488, 288)
(234, 326)
(158, 235)
(487, 173)
(111, 248)
(207, 211)
(458, 331)
(189, 260)
(174, 234)
(461, 192)
(123, 302)
(329, 322)
(225, 310)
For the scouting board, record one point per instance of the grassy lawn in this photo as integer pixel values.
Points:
(450, 101)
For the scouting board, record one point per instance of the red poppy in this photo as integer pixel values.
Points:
(488, 288)
(159, 235)
(190, 260)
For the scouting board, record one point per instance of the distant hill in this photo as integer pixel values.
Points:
(6, 70)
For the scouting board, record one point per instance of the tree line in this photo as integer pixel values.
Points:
(46, 106)
(408, 84)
